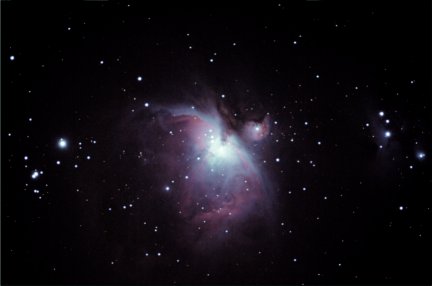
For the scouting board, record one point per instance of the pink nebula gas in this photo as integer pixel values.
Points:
(221, 192)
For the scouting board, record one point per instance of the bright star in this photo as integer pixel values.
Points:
(62, 143)
(35, 174)
(421, 155)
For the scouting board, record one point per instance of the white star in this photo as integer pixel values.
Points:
(62, 143)
(421, 155)
(35, 174)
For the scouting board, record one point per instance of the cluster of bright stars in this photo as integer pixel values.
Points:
(387, 133)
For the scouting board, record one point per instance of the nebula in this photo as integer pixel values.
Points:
(213, 179)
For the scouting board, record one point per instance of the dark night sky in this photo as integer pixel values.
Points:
(321, 113)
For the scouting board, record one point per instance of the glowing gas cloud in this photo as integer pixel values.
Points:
(218, 190)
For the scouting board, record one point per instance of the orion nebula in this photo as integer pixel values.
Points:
(220, 195)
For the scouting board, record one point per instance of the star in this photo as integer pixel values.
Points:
(35, 174)
(62, 143)
(421, 155)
